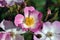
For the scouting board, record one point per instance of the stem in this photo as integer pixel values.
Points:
(46, 17)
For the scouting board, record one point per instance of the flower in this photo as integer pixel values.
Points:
(30, 21)
(19, 1)
(50, 31)
(7, 3)
(8, 27)
(4, 3)
(10, 2)
(8, 36)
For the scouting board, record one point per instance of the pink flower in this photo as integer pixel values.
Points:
(30, 21)
(50, 31)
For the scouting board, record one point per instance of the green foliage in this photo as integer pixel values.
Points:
(28, 36)
(39, 4)
(58, 1)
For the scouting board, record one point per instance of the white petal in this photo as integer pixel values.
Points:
(24, 25)
(21, 32)
(47, 38)
(19, 1)
(53, 38)
(45, 29)
(56, 26)
(10, 2)
(56, 37)
(48, 27)
(12, 30)
(2, 25)
(8, 25)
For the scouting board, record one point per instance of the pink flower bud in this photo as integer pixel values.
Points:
(49, 11)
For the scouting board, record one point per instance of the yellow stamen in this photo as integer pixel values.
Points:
(29, 21)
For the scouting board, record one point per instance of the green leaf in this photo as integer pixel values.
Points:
(28, 36)
(39, 4)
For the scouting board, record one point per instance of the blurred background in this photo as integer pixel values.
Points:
(40, 5)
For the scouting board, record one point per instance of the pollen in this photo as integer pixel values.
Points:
(29, 21)
(12, 34)
(49, 34)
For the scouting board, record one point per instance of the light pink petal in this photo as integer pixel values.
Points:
(19, 37)
(36, 15)
(18, 19)
(46, 27)
(56, 26)
(48, 23)
(1, 5)
(8, 37)
(37, 27)
(52, 27)
(27, 9)
(24, 27)
(5, 36)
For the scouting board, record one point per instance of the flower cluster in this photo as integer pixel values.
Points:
(31, 21)
(50, 31)
(10, 31)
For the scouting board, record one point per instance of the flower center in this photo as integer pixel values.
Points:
(12, 34)
(49, 34)
(29, 21)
